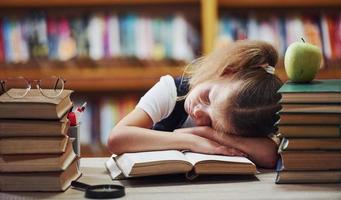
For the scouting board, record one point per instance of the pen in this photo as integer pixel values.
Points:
(75, 116)
(82, 108)
(79, 111)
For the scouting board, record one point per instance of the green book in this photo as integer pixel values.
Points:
(316, 86)
(317, 91)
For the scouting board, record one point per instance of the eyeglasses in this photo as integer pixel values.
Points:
(50, 87)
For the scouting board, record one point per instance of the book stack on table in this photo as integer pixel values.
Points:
(35, 152)
(310, 129)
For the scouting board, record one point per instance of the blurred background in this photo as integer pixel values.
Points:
(111, 52)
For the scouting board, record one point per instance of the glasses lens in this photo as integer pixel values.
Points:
(51, 87)
(16, 87)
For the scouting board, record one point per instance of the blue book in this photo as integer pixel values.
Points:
(7, 39)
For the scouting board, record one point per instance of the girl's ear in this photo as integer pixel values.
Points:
(228, 72)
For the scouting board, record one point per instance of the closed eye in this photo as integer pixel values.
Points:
(205, 98)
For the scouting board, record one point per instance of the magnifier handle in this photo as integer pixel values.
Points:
(79, 185)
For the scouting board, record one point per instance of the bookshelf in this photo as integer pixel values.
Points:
(110, 76)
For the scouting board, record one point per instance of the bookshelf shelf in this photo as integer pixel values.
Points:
(278, 4)
(76, 3)
(100, 78)
(332, 73)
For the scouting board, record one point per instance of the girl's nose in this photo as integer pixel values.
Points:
(201, 116)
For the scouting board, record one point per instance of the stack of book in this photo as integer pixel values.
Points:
(310, 128)
(35, 152)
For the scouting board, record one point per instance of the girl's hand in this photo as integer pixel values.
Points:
(211, 134)
(262, 151)
(203, 145)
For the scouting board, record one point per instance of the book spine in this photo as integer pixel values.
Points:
(310, 130)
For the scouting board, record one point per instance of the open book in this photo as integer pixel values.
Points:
(174, 162)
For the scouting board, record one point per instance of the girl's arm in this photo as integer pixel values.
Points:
(133, 133)
(262, 151)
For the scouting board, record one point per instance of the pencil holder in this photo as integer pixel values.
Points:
(74, 133)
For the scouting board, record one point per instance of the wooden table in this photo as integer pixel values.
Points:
(176, 187)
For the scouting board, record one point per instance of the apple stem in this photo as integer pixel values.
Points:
(303, 40)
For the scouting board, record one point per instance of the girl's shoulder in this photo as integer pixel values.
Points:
(180, 84)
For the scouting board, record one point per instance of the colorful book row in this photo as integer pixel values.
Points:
(96, 36)
(322, 30)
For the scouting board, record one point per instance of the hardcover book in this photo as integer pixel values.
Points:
(308, 130)
(318, 91)
(311, 108)
(38, 162)
(33, 127)
(309, 118)
(308, 177)
(310, 160)
(33, 145)
(41, 181)
(288, 144)
(34, 105)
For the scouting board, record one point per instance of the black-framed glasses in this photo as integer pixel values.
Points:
(50, 87)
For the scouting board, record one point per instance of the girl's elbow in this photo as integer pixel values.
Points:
(271, 164)
(272, 156)
(115, 142)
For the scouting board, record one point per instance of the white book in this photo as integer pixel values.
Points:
(86, 126)
(106, 121)
(325, 37)
(252, 28)
(114, 36)
(295, 29)
(181, 48)
(95, 33)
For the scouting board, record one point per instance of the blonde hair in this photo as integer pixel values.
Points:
(252, 107)
(230, 59)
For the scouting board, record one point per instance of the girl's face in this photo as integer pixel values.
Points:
(203, 100)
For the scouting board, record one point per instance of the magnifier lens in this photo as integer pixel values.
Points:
(105, 191)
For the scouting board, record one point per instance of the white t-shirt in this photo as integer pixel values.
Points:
(160, 100)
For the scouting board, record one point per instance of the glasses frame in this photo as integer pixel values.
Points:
(37, 84)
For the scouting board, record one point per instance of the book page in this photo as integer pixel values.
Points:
(114, 171)
(126, 161)
(197, 157)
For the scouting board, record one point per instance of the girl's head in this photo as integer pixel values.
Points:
(229, 59)
(241, 96)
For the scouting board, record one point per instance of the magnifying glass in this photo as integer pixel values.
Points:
(105, 191)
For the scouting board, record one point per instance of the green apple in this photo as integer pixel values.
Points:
(302, 61)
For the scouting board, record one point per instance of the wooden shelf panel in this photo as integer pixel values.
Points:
(68, 3)
(279, 3)
(101, 78)
(332, 73)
